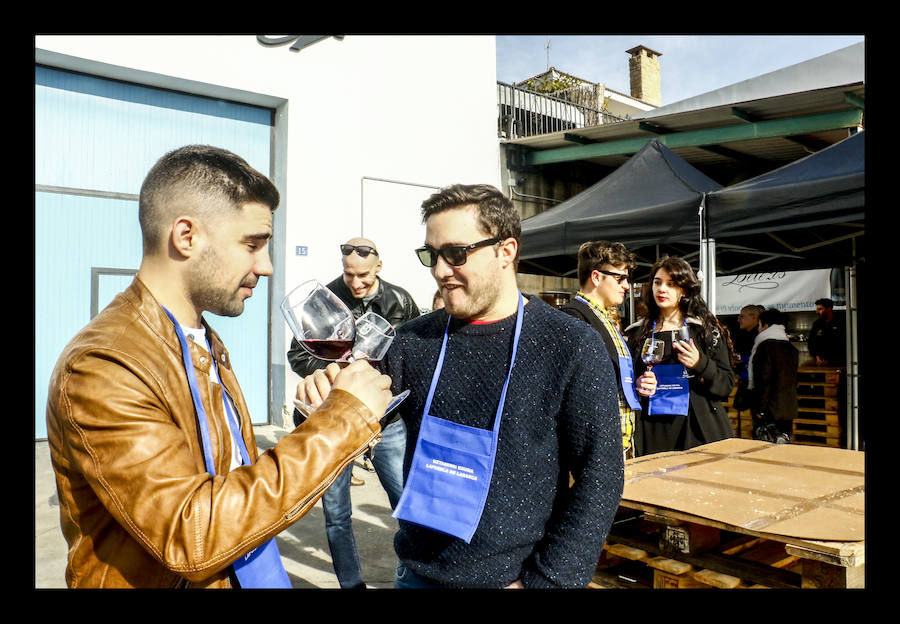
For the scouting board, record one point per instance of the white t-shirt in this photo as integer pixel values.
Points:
(198, 336)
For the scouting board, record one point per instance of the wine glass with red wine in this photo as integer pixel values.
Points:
(321, 323)
(325, 327)
(374, 335)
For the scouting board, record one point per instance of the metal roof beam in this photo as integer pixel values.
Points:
(855, 100)
(574, 138)
(710, 136)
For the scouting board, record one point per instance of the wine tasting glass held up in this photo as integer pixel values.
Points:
(682, 335)
(652, 352)
(374, 335)
(321, 323)
(325, 327)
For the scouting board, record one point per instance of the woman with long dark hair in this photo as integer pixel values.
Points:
(693, 368)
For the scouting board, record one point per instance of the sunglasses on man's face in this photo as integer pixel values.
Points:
(455, 255)
(619, 277)
(362, 250)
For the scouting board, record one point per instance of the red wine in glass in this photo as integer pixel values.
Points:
(336, 350)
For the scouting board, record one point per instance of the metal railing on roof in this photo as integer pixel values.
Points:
(523, 113)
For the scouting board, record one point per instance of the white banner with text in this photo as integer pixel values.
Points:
(789, 291)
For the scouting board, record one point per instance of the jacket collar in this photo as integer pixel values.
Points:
(691, 320)
(153, 314)
(341, 290)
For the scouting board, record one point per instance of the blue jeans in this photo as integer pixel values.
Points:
(407, 579)
(387, 458)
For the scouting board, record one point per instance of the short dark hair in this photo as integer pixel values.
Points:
(825, 302)
(594, 254)
(197, 179)
(772, 316)
(496, 213)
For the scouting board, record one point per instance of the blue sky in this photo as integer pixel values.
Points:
(689, 64)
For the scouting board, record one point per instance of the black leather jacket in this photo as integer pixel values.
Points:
(392, 302)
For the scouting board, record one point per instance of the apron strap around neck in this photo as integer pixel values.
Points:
(440, 364)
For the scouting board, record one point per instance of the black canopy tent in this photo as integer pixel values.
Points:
(651, 201)
(807, 214)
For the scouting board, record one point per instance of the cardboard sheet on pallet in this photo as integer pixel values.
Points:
(808, 492)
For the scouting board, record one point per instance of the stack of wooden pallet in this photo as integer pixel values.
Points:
(739, 514)
(697, 560)
(819, 417)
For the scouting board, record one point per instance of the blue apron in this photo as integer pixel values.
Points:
(452, 465)
(626, 371)
(673, 395)
(261, 568)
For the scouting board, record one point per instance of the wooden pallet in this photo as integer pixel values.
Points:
(818, 420)
(623, 566)
(771, 515)
(741, 421)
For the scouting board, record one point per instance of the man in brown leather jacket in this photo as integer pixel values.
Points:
(138, 506)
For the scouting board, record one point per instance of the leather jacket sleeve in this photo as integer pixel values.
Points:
(113, 421)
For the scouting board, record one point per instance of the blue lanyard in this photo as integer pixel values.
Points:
(440, 365)
(198, 404)
(261, 567)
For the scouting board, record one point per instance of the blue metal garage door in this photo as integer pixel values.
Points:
(95, 140)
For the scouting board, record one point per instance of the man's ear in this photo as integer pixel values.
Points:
(508, 250)
(378, 268)
(183, 236)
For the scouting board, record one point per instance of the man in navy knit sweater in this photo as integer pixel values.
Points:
(558, 415)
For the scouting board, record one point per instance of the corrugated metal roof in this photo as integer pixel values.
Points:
(831, 83)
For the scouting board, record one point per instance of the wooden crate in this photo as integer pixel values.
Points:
(623, 567)
(767, 500)
(819, 416)
(741, 421)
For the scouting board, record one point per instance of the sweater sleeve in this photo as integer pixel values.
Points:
(591, 452)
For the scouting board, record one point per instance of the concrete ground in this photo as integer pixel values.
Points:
(303, 546)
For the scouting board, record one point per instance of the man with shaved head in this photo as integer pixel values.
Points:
(362, 290)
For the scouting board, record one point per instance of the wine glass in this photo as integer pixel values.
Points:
(325, 327)
(374, 335)
(682, 335)
(652, 352)
(321, 323)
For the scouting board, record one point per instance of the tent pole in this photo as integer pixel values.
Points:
(852, 360)
(707, 261)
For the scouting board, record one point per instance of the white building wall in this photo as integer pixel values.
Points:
(365, 127)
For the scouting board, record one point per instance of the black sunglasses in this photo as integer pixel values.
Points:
(455, 255)
(619, 277)
(362, 250)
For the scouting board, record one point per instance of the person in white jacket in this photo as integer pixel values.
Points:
(773, 379)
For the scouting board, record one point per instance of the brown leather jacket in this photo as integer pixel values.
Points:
(137, 507)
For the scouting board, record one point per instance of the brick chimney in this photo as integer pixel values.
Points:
(643, 67)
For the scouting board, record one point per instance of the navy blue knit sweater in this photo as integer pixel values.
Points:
(561, 417)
